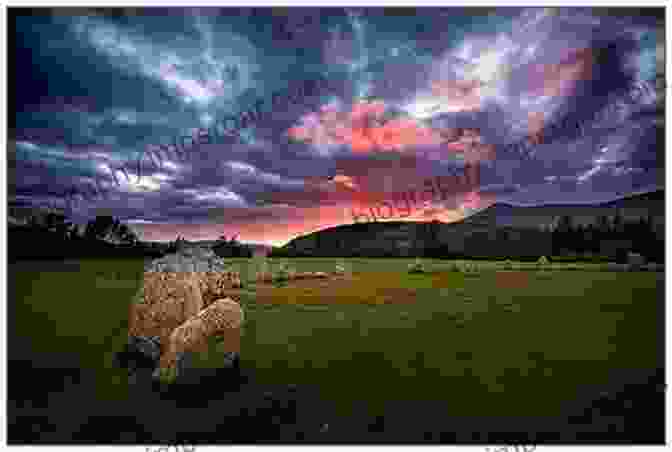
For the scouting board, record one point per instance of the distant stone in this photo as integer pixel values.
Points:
(636, 260)
(339, 270)
(653, 267)
(614, 267)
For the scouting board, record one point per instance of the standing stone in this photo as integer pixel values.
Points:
(167, 304)
(636, 261)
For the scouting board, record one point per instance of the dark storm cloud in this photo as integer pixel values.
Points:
(91, 94)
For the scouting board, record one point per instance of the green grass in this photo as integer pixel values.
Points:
(473, 343)
(482, 349)
(80, 308)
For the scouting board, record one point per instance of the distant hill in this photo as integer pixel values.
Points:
(635, 206)
(501, 229)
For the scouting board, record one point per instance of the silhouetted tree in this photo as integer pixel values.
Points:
(108, 228)
(35, 223)
(176, 245)
(58, 224)
(618, 226)
(603, 227)
(562, 235)
(99, 228)
(73, 232)
(431, 238)
(231, 248)
(126, 235)
(590, 238)
(577, 239)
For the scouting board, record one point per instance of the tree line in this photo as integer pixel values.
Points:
(615, 236)
(53, 235)
(608, 239)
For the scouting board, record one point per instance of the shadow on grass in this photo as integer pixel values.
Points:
(55, 406)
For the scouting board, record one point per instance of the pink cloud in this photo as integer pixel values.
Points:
(559, 78)
(535, 126)
(363, 129)
(463, 95)
(472, 200)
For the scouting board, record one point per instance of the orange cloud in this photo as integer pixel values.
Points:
(363, 129)
(346, 181)
(284, 225)
(277, 224)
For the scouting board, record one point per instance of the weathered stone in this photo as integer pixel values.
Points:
(164, 302)
(416, 267)
(222, 319)
(176, 288)
(635, 261)
(614, 267)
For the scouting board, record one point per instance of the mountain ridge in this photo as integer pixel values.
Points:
(656, 195)
(496, 226)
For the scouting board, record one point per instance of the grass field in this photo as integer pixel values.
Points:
(443, 345)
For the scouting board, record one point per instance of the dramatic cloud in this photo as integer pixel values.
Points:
(205, 121)
(363, 129)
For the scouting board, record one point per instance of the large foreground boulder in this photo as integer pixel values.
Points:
(175, 294)
(218, 325)
(164, 302)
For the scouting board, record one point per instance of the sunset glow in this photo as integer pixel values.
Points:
(245, 122)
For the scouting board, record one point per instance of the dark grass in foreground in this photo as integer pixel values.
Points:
(495, 357)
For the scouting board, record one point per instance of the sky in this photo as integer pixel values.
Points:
(549, 105)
